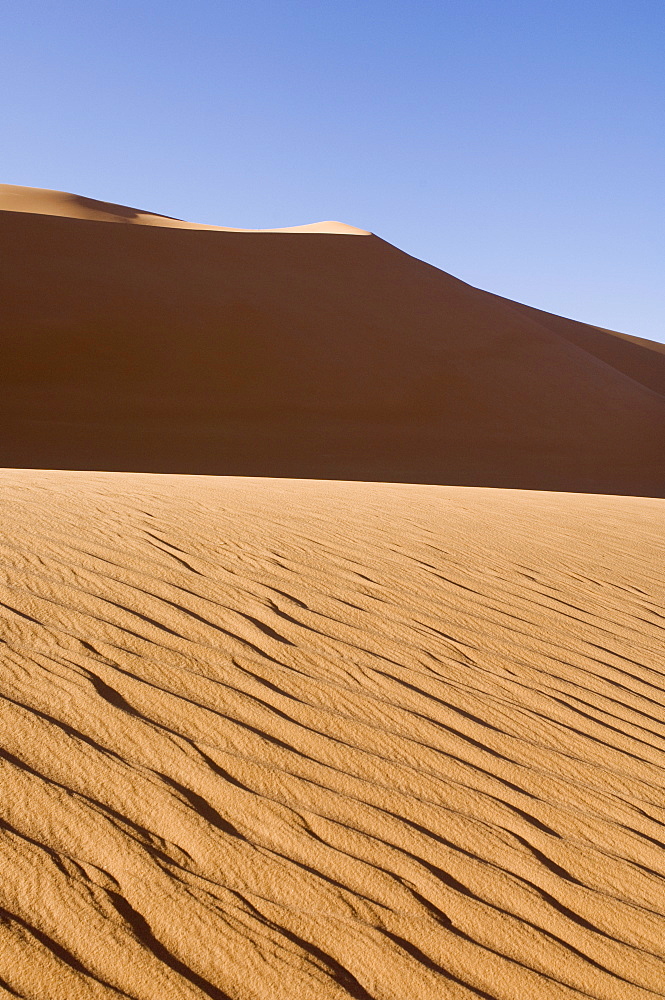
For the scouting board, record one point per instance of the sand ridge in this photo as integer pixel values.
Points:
(269, 738)
(44, 201)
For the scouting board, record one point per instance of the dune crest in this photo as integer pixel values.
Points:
(43, 201)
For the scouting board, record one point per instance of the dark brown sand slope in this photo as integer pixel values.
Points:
(331, 356)
(266, 740)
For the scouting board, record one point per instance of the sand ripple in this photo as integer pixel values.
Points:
(275, 739)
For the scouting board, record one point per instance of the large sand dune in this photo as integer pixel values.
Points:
(163, 347)
(276, 739)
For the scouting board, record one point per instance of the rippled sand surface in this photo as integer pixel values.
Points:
(275, 739)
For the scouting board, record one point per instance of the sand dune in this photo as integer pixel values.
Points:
(140, 348)
(275, 739)
(266, 738)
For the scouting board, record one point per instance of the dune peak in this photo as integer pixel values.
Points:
(45, 201)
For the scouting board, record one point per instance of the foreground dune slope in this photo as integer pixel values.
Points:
(273, 739)
(306, 355)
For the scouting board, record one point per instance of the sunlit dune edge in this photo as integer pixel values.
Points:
(44, 201)
(268, 738)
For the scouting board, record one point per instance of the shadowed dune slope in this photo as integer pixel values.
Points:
(302, 354)
(642, 360)
(269, 739)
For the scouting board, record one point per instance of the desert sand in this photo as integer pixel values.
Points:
(274, 739)
(276, 724)
(44, 201)
(163, 347)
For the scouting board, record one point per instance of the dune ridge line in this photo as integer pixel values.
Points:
(44, 201)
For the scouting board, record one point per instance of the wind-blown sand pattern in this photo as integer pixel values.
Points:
(276, 739)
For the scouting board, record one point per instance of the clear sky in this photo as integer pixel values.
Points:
(518, 145)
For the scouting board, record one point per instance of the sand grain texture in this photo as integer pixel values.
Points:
(273, 739)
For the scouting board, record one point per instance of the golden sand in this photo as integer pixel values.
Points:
(267, 739)
(44, 201)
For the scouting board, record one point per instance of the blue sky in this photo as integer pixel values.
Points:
(518, 145)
